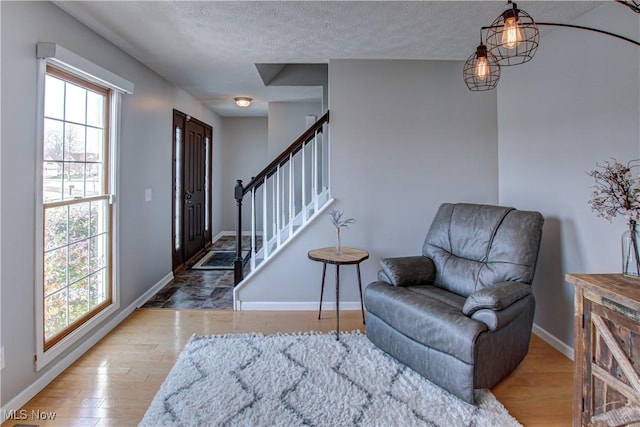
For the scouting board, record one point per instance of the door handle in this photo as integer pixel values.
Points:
(188, 197)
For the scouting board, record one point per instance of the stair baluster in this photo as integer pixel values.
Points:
(279, 211)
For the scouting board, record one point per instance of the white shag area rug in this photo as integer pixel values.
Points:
(306, 379)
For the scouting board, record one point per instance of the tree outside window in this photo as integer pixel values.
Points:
(77, 279)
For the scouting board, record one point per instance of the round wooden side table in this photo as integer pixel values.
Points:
(349, 256)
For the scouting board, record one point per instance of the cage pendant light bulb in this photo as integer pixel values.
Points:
(511, 35)
(482, 68)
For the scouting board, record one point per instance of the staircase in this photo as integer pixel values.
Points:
(285, 196)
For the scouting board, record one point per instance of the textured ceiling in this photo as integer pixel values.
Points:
(210, 48)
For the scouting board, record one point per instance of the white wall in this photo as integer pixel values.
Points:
(287, 122)
(576, 103)
(145, 162)
(405, 137)
(245, 154)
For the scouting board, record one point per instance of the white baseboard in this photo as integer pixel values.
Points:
(56, 369)
(295, 305)
(553, 341)
(151, 292)
(273, 254)
(218, 236)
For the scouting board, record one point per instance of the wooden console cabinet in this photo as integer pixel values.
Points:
(607, 350)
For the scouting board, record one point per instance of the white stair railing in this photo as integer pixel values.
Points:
(285, 207)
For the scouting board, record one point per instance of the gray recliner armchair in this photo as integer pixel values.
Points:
(461, 314)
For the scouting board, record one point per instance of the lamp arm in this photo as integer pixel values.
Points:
(595, 30)
(633, 5)
(579, 27)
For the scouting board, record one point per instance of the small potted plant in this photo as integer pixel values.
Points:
(338, 222)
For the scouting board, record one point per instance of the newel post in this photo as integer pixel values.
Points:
(237, 264)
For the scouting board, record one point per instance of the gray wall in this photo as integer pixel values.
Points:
(576, 103)
(406, 136)
(145, 153)
(245, 154)
(218, 192)
(250, 143)
(287, 122)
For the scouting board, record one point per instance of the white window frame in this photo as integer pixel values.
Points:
(54, 54)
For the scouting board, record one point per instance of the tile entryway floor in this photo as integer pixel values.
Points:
(200, 288)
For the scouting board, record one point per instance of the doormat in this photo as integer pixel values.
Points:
(219, 260)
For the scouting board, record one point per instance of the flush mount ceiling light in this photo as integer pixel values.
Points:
(243, 101)
(513, 39)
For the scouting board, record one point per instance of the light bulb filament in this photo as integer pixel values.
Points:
(511, 35)
(482, 68)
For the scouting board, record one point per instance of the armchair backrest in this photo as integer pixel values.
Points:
(477, 246)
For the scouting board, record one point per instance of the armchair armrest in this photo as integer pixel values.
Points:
(409, 271)
(497, 297)
(498, 319)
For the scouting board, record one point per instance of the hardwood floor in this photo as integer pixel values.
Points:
(114, 383)
(540, 391)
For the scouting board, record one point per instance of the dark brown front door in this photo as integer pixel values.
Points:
(194, 190)
(192, 187)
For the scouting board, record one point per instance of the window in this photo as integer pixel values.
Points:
(177, 202)
(207, 172)
(76, 286)
(76, 209)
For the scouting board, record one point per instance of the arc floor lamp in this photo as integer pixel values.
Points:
(512, 39)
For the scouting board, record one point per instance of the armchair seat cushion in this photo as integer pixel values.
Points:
(440, 294)
(437, 323)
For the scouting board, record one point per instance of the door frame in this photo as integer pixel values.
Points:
(180, 120)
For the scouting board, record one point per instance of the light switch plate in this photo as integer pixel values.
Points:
(147, 195)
